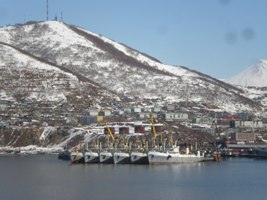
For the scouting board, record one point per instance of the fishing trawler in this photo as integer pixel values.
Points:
(121, 158)
(139, 158)
(106, 157)
(91, 157)
(76, 157)
(174, 156)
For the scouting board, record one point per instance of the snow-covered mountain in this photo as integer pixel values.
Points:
(92, 63)
(255, 76)
(24, 76)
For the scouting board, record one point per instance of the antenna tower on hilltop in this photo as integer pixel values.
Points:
(46, 10)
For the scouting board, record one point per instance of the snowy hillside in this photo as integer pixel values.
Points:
(108, 65)
(28, 74)
(23, 77)
(255, 75)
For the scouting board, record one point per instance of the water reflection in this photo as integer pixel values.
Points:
(45, 177)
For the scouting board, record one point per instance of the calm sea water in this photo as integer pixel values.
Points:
(44, 177)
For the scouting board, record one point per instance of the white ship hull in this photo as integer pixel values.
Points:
(155, 157)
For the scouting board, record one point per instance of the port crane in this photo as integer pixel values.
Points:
(151, 118)
(110, 132)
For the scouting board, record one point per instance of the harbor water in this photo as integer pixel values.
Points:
(43, 177)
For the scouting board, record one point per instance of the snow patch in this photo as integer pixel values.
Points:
(48, 131)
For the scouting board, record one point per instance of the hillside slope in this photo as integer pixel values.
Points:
(23, 76)
(118, 68)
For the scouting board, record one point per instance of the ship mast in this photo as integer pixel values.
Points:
(153, 127)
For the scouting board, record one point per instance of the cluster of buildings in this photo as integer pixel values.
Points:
(238, 128)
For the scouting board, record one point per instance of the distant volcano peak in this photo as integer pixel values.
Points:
(255, 75)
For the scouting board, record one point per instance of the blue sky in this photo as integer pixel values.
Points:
(217, 37)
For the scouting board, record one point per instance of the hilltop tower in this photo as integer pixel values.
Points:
(46, 10)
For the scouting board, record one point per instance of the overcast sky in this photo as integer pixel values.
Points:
(217, 37)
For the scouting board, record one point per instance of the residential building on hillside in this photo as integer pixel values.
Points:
(175, 116)
(93, 112)
(249, 124)
(243, 137)
(105, 113)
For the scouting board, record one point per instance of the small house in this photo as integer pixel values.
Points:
(93, 112)
(156, 109)
(136, 110)
(105, 113)
(127, 110)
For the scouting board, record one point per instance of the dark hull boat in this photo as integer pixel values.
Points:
(65, 155)
(261, 153)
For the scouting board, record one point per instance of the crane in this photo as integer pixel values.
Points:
(153, 127)
(110, 132)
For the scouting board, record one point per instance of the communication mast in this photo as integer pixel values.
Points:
(46, 10)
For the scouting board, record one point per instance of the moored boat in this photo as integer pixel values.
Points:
(157, 157)
(65, 155)
(76, 157)
(106, 157)
(261, 153)
(139, 158)
(121, 158)
(91, 157)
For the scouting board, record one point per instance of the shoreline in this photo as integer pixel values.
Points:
(30, 150)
